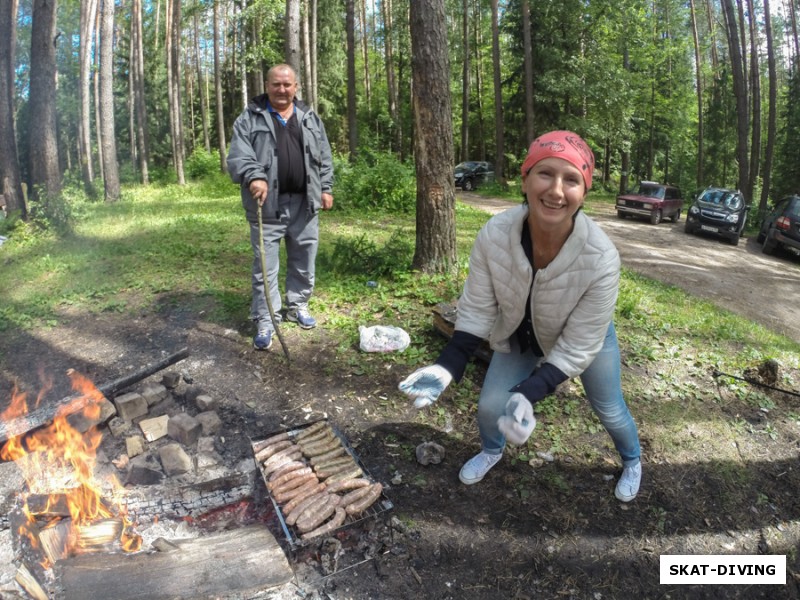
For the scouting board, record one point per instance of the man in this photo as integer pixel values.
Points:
(281, 157)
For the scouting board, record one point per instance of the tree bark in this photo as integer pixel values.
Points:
(527, 60)
(109, 136)
(771, 110)
(739, 91)
(433, 143)
(45, 174)
(173, 41)
(291, 41)
(10, 177)
(391, 83)
(365, 53)
(755, 103)
(699, 84)
(352, 121)
(199, 72)
(306, 37)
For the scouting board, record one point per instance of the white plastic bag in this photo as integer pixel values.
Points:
(383, 338)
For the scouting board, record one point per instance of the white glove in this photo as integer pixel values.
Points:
(518, 422)
(425, 385)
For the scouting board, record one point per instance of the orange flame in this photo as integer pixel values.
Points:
(58, 461)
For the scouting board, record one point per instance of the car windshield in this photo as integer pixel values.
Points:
(466, 166)
(721, 199)
(651, 191)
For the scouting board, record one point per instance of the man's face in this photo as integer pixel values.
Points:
(281, 88)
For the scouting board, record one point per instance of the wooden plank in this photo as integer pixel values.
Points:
(444, 321)
(244, 560)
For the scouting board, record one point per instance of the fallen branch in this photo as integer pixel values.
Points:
(716, 374)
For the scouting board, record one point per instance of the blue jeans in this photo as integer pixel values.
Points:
(601, 382)
(298, 227)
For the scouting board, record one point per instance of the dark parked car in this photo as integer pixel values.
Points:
(781, 227)
(719, 211)
(656, 201)
(472, 173)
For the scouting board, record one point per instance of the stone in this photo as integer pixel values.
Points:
(175, 460)
(134, 445)
(204, 403)
(131, 406)
(145, 470)
(429, 453)
(210, 422)
(171, 379)
(118, 427)
(184, 428)
(206, 444)
(81, 422)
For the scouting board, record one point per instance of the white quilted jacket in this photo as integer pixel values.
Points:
(573, 298)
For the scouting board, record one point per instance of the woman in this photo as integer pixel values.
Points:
(542, 288)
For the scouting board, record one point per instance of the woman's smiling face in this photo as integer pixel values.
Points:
(555, 190)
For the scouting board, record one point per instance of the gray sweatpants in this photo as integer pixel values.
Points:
(299, 229)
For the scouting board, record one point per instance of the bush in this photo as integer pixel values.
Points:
(202, 163)
(375, 181)
(361, 256)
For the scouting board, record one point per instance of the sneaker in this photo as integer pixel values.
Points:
(477, 467)
(628, 484)
(301, 317)
(263, 338)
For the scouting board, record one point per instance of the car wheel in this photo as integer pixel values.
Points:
(655, 217)
(620, 214)
(734, 239)
(760, 238)
(676, 217)
(468, 185)
(687, 227)
(769, 246)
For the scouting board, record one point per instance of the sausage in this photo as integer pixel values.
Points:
(298, 509)
(306, 483)
(260, 444)
(287, 476)
(322, 447)
(270, 450)
(356, 494)
(323, 434)
(269, 467)
(348, 467)
(356, 472)
(293, 482)
(302, 495)
(286, 468)
(321, 458)
(347, 484)
(310, 430)
(334, 462)
(360, 505)
(334, 523)
(280, 454)
(315, 514)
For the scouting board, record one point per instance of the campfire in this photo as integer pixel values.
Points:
(64, 509)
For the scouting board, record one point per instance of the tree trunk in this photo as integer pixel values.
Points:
(433, 143)
(173, 41)
(391, 84)
(365, 53)
(45, 174)
(712, 34)
(479, 81)
(625, 155)
(306, 36)
(465, 82)
(109, 136)
(352, 122)
(199, 72)
(699, 84)
(314, 82)
(795, 37)
(771, 110)
(499, 129)
(10, 178)
(142, 135)
(527, 57)
(291, 40)
(740, 94)
(222, 144)
(755, 103)
(88, 14)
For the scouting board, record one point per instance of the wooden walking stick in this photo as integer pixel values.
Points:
(266, 282)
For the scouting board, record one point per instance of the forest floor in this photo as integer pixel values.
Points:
(545, 528)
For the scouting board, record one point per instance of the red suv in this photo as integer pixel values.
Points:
(656, 201)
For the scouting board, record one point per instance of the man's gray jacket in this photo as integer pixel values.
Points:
(253, 155)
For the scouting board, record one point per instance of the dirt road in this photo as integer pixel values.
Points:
(739, 278)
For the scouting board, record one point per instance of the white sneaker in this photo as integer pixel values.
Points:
(628, 484)
(477, 467)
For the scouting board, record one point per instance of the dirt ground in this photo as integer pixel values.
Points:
(549, 529)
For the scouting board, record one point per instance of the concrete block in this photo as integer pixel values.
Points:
(131, 406)
(175, 460)
(204, 403)
(184, 428)
(210, 422)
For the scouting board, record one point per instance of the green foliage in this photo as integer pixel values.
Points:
(202, 163)
(365, 257)
(375, 181)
